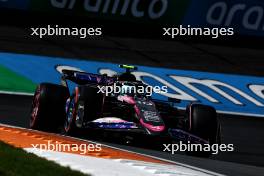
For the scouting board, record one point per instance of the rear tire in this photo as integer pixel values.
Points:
(48, 107)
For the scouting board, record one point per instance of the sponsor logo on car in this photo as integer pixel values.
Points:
(114, 123)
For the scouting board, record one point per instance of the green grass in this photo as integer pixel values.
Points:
(11, 81)
(17, 162)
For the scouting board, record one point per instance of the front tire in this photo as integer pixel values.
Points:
(203, 122)
(84, 105)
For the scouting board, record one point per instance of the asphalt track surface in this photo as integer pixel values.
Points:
(246, 133)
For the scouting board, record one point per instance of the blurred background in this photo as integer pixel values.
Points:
(133, 34)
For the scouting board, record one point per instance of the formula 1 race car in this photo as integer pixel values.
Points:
(89, 106)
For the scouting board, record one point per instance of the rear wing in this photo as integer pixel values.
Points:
(82, 78)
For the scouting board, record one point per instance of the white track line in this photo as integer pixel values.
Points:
(16, 93)
(154, 157)
(114, 167)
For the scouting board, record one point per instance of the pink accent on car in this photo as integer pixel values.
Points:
(137, 110)
(129, 100)
(35, 105)
(151, 127)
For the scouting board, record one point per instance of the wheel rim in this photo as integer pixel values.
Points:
(35, 107)
(79, 114)
(69, 116)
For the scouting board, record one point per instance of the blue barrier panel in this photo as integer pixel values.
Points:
(228, 93)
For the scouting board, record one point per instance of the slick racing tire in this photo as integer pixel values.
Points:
(48, 107)
(203, 122)
(84, 105)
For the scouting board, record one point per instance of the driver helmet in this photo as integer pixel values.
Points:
(128, 90)
(127, 77)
